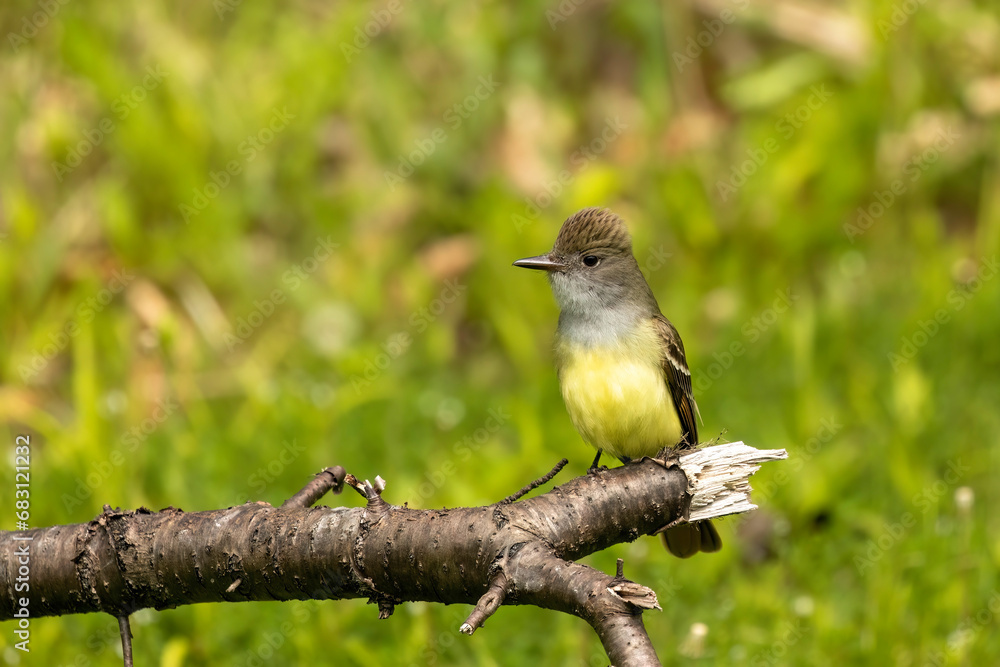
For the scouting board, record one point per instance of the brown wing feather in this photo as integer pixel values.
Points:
(678, 380)
(686, 539)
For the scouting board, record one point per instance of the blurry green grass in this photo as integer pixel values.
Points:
(311, 379)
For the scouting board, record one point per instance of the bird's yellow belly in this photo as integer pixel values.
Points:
(618, 400)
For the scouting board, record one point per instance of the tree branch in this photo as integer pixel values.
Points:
(503, 554)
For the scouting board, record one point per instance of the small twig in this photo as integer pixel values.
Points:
(676, 522)
(385, 609)
(361, 487)
(487, 605)
(126, 632)
(370, 492)
(331, 479)
(534, 485)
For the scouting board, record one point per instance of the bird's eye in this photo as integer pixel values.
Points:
(591, 260)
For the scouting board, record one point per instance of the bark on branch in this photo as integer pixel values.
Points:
(511, 552)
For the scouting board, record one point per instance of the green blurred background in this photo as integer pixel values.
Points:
(240, 242)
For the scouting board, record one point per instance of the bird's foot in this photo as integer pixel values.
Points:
(595, 467)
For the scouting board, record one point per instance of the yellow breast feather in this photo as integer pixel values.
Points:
(617, 395)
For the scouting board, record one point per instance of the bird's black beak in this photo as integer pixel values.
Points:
(542, 263)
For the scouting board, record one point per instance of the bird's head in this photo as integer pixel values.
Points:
(591, 264)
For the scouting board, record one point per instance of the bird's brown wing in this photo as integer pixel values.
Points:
(678, 377)
(686, 539)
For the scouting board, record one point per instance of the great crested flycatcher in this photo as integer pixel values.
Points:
(621, 363)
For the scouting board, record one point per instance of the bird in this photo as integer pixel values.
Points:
(621, 364)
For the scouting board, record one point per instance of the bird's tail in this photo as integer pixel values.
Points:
(687, 539)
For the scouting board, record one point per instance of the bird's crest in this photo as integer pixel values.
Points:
(593, 228)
